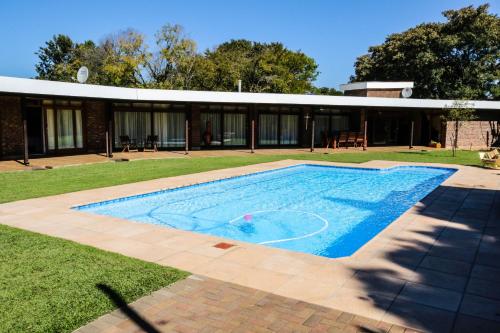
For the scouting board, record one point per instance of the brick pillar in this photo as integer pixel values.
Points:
(194, 127)
(95, 125)
(11, 127)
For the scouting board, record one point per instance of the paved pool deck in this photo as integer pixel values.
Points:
(435, 269)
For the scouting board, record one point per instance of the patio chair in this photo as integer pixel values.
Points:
(127, 144)
(490, 159)
(360, 139)
(351, 139)
(151, 143)
(343, 138)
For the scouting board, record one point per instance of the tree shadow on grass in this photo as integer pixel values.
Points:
(119, 302)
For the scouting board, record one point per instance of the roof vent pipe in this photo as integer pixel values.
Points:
(239, 85)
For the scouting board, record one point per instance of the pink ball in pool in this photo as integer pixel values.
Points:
(247, 217)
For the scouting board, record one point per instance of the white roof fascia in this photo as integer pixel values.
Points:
(63, 89)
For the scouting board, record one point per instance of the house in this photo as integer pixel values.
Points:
(49, 118)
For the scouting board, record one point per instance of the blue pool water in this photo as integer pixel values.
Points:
(322, 210)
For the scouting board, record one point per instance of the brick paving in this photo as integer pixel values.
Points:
(200, 304)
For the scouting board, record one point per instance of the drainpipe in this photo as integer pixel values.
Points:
(239, 85)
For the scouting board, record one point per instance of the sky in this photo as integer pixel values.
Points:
(333, 32)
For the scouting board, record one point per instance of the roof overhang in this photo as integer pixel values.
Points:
(31, 87)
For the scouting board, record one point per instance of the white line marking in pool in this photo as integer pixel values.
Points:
(325, 225)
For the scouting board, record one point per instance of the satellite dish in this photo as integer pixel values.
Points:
(406, 92)
(82, 75)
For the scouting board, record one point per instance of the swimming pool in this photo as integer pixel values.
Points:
(322, 210)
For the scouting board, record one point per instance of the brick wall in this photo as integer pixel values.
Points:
(11, 127)
(392, 93)
(472, 134)
(194, 128)
(95, 112)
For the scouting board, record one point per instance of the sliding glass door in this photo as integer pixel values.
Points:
(210, 129)
(321, 130)
(328, 125)
(134, 125)
(289, 134)
(140, 121)
(278, 129)
(268, 129)
(235, 129)
(64, 124)
(170, 128)
(223, 129)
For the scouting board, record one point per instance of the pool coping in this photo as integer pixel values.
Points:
(319, 280)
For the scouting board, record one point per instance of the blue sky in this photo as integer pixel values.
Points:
(332, 32)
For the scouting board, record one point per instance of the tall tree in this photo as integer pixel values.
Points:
(457, 59)
(55, 59)
(125, 56)
(262, 67)
(326, 91)
(172, 65)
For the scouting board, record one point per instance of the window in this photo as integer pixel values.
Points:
(268, 129)
(210, 129)
(289, 134)
(321, 129)
(235, 129)
(223, 129)
(135, 125)
(340, 123)
(170, 128)
(64, 125)
(326, 125)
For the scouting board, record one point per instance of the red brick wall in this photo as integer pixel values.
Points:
(95, 112)
(194, 128)
(471, 134)
(392, 93)
(11, 126)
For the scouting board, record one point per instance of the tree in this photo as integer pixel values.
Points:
(326, 91)
(262, 67)
(172, 66)
(124, 59)
(453, 60)
(456, 114)
(125, 56)
(55, 59)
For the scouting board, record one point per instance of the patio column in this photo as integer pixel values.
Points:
(312, 136)
(253, 137)
(25, 133)
(109, 130)
(365, 129)
(411, 134)
(186, 148)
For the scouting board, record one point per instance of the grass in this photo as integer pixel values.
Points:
(25, 185)
(49, 284)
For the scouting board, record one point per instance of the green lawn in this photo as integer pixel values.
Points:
(24, 185)
(49, 285)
